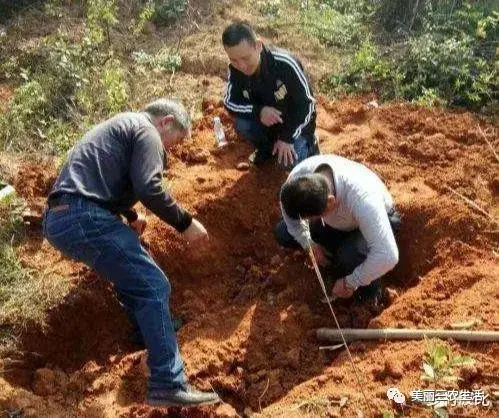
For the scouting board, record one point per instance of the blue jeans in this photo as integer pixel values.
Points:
(86, 232)
(257, 134)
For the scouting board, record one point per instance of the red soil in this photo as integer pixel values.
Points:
(251, 309)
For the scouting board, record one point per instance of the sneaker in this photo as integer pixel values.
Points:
(183, 396)
(259, 157)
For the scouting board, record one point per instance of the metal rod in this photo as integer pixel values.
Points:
(351, 334)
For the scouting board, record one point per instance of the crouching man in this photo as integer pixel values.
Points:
(344, 213)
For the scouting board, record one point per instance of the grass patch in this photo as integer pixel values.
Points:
(25, 295)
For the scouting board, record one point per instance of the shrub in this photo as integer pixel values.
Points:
(437, 52)
(332, 27)
(114, 85)
(168, 12)
(50, 76)
(101, 16)
(164, 60)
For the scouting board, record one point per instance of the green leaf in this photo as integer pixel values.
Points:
(462, 361)
(388, 414)
(440, 356)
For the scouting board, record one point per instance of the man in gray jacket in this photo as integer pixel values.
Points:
(116, 164)
(344, 213)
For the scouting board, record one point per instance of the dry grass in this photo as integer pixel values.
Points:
(25, 295)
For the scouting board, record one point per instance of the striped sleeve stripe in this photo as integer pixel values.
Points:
(303, 80)
(233, 106)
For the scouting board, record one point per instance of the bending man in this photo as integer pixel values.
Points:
(116, 164)
(345, 214)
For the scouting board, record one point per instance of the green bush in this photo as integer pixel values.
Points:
(449, 67)
(168, 12)
(50, 75)
(101, 17)
(20, 121)
(164, 60)
(145, 16)
(113, 82)
(366, 71)
(333, 27)
(434, 52)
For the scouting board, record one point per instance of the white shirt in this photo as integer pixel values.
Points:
(363, 202)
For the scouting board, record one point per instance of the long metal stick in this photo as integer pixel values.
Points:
(351, 334)
(323, 287)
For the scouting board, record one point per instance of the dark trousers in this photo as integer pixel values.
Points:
(257, 134)
(86, 232)
(347, 249)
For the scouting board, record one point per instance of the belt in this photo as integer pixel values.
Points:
(64, 200)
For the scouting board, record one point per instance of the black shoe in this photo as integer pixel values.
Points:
(184, 396)
(373, 294)
(259, 157)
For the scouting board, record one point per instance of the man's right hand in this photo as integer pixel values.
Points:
(320, 255)
(270, 116)
(196, 233)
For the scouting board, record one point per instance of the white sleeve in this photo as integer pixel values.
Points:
(375, 227)
(298, 229)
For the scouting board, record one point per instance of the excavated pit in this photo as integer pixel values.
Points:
(251, 308)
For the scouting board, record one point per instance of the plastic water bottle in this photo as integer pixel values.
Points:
(219, 132)
(6, 191)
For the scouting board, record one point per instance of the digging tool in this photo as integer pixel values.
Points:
(351, 334)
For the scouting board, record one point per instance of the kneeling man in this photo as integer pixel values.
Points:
(344, 213)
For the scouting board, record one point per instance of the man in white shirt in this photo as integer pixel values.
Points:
(345, 214)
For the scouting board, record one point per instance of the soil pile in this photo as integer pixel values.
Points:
(251, 308)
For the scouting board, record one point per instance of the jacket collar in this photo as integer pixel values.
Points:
(267, 62)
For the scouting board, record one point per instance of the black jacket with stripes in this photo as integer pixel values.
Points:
(280, 83)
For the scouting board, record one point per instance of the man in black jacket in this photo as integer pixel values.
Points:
(116, 164)
(270, 97)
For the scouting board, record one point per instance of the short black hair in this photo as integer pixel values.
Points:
(237, 32)
(305, 196)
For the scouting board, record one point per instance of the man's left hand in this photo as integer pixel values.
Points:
(341, 290)
(139, 225)
(286, 154)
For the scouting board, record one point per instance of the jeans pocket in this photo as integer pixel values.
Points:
(59, 225)
(86, 253)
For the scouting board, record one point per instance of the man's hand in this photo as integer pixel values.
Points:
(196, 233)
(270, 116)
(139, 225)
(341, 290)
(320, 255)
(286, 154)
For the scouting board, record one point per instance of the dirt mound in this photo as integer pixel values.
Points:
(251, 309)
